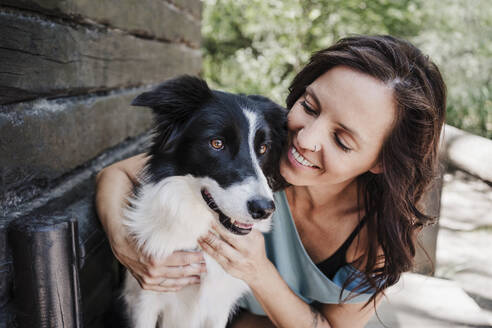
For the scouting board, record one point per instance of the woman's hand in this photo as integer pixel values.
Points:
(170, 274)
(243, 257)
(114, 185)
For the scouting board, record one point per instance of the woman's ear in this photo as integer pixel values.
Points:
(377, 169)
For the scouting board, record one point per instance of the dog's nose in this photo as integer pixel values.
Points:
(260, 208)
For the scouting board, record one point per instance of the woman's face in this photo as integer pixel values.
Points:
(346, 115)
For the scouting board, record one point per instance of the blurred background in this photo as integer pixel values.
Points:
(257, 46)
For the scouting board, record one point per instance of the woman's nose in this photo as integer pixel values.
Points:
(308, 138)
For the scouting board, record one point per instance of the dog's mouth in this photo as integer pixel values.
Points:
(233, 226)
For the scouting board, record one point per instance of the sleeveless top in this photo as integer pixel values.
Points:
(331, 265)
(286, 251)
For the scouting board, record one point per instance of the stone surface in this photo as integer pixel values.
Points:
(150, 18)
(461, 293)
(44, 58)
(464, 252)
(45, 139)
(421, 301)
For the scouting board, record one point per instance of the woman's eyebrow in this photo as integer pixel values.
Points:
(310, 92)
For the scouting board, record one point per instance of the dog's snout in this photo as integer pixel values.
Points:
(260, 208)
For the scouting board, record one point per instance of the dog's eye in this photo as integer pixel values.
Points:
(217, 144)
(263, 149)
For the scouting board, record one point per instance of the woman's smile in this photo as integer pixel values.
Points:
(298, 160)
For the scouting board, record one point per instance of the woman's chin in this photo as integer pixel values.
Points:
(290, 175)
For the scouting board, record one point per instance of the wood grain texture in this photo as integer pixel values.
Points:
(43, 140)
(40, 58)
(175, 21)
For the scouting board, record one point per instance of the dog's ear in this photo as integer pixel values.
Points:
(173, 102)
(176, 97)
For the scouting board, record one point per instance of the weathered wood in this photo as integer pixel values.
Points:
(74, 197)
(468, 152)
(44, 139)
(179, 22)
(43, 58)
(192, 6)
(425, 257)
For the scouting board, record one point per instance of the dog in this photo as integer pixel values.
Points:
(214, 156)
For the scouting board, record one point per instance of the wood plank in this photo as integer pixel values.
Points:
(43, 58)
(468, 152)
(42, 140)
(174, 21)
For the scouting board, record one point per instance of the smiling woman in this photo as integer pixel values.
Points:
(364, 122)
(321, 117)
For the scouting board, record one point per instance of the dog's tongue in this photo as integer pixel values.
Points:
(243, 225)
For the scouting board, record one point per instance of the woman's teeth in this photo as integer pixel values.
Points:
(301, 160)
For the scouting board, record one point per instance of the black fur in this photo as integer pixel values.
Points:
(188, 115)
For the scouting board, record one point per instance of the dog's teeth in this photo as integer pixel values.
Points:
(232, 221)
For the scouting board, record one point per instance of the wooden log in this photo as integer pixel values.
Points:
(42, 58)
(44, 139)
(46, 272)
(177, 22)
(192, 6)
(74, 198)
(426, 246)
(468, 152)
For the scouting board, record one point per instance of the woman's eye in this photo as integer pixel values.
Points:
(308, 109)
(217, 144)
(340, 144)
(262, 149)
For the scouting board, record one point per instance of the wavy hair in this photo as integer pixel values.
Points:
(409, 155)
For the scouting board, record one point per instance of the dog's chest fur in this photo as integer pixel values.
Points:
(164, 218)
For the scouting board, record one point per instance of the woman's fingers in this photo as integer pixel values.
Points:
(176, 271)
(168, 285)
(222, 260)
(220, 250)
(226, 235)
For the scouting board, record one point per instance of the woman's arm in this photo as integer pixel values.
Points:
(244, 257)
(113, 186)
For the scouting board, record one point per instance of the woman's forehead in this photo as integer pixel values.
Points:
(355, 100)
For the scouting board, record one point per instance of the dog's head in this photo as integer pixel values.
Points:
(231, 143)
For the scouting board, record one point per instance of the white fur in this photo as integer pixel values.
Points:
(262, 181)
(171, 215)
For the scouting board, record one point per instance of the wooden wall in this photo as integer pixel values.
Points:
(68, 72)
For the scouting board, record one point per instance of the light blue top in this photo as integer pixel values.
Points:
(286, 251)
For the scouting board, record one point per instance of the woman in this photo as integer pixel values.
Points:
(364, 122)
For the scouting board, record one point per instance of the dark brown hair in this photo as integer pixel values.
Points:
(409, 155)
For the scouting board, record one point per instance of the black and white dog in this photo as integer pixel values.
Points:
(214, 156)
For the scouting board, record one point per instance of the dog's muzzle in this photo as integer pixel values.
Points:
(233, 226)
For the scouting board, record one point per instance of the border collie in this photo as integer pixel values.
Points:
(214, 156)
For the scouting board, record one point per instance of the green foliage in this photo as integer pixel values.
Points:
(257, 46)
